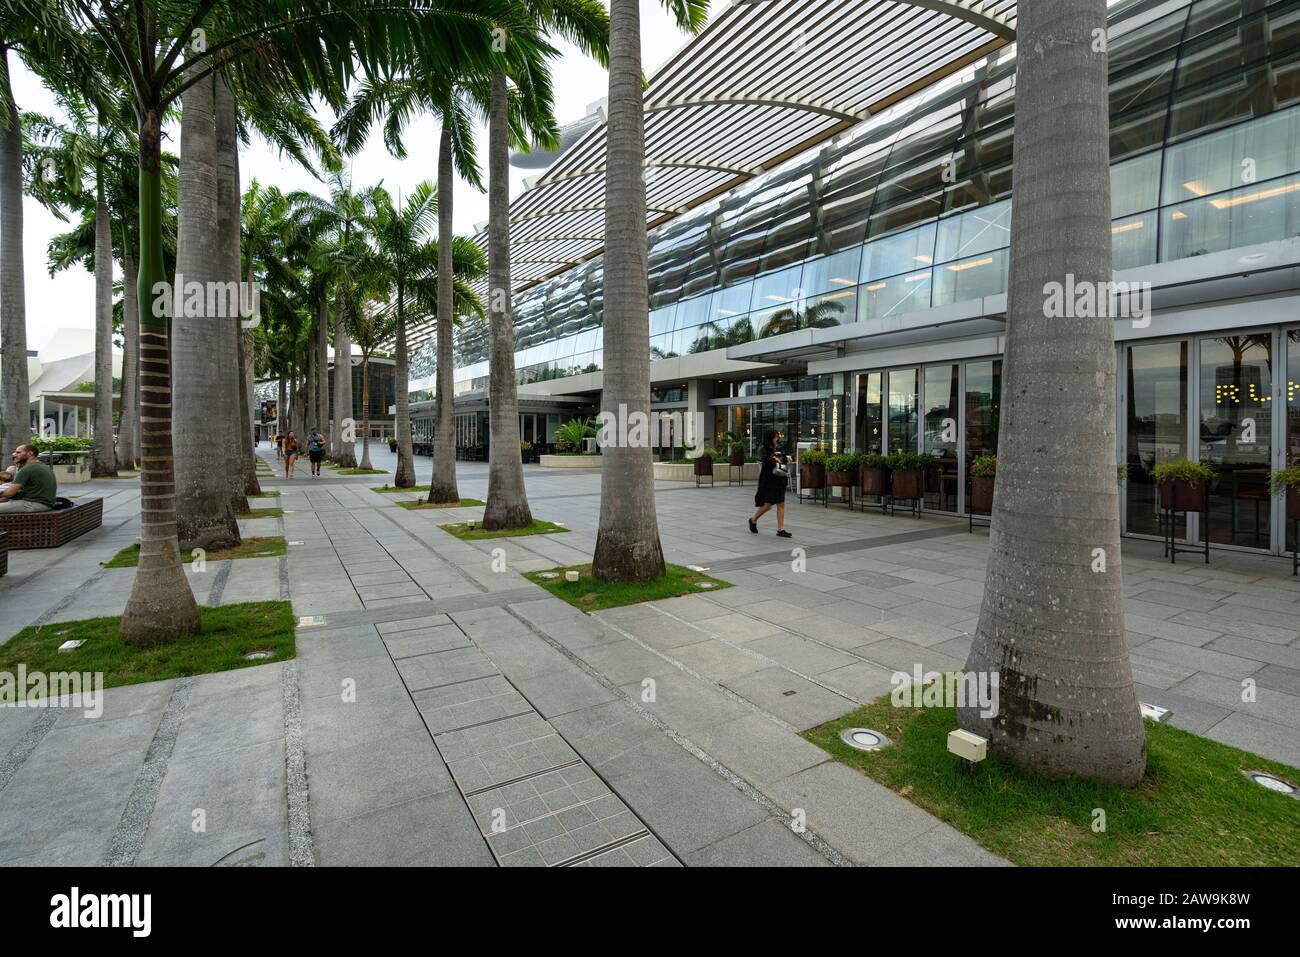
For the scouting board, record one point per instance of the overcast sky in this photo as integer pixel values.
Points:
(67, 299)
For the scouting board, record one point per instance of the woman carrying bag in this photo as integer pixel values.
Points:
(773, 476)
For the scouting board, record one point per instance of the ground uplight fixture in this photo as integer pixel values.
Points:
(864, 739)
(571, 576)
(971, 748)
(259, 655)
(1273, 783)
(548, 574)
(704, 584)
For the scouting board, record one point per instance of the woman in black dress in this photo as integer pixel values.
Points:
(771, 485)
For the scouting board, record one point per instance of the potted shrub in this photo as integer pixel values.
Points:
(1184, 485)
(812, 470)
(873, 474)
(704, 462)
(907, 475)
(735, 449)
(1287, 481)
(526, 451)
(842, 470)
(983, 468)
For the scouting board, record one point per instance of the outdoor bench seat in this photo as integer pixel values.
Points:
(54, 528)
(4, 554)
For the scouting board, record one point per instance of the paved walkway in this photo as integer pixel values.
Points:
(442, 709)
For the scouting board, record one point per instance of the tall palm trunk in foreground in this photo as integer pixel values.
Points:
(102, 461)
(322, 372)
(14, 405)
(345, 449)
(507, 500)
(1052, 623)
(205, 517)
(442, 484)
(127, 430)
(242, 472)
(627, 541)
(161, 605)
(365, 412)
(404, 475)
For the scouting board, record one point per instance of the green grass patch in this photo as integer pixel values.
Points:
(264, 495)
(390, 489)
(229, 632)
(591, 595)
(1194, 808)
(417, 504)
(462, 530)
(361, 471)
(261, 513)
(265, 547)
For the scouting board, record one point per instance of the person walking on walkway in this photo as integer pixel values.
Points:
(290, 446)
(773, 476)
(33, 487)
(279, 444)
(315, 449)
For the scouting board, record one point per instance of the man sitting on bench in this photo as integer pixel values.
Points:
(34, 486)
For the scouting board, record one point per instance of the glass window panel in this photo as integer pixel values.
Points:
(898, 294)
(1252, 91)
(1139, 130)
(832, 273)
(832, 309)
(1133, 241)
(983, 275)
(1253, 214)
(983, 411)
(1292, 416)
(1135, 185)
(1148, 81)
(870, 420)
(912, 250)
(902, 424)
(778, 289)
(941, 399)
(974, 232)
(1236, 432)
(1248, 40)
(729, 303)
(661, 320)
(1157, 428)
(1249, 152)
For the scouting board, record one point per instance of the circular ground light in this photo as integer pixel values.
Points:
(1273, 783)
(548, 574)
(259, 655)
(704, 584)
(864, 739)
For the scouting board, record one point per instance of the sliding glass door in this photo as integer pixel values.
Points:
(1157, 396)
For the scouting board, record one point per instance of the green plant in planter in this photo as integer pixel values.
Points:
(813, 457)
(984, 466)
(908, 461)
(733, 442)
(1121, 472)
(572, 433)
(525, 446)
(1193, 473)
(60, 443)
(843, 462)
(1285, 479)
(873, 460)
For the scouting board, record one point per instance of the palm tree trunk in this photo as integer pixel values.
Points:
(102, 463)
(15, 414)
(245, 434)
(404, 475)
(322, 372)
(627, 540)
(205, 517)
(507, 500)
(345, 451)
(127, 432)
(242, 472)
(161, 605)
(309, 386)
(1052, 622)
(365, 411)
(442, 484)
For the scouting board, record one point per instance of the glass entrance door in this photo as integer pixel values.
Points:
(870, 435)
(942, 409)
(1236, 436)
(1157, 389)
(903, 417)
(1292, 393)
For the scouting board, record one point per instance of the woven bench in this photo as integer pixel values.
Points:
(54, 528)
(4, 554)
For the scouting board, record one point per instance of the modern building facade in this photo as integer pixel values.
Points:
(854, 294)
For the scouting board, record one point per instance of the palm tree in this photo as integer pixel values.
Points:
(1052, 622)
(627, 540)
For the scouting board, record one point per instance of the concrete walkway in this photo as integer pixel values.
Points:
(442, 709)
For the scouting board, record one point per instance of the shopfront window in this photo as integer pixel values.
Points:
(941, 413)
(870, 419)
(1157, 428)
(983, 411)
(902, 411)
(1292, 416)
(1236, 431)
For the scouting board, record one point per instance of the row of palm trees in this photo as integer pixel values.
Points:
(361, 266)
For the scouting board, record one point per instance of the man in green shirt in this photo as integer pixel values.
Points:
(34, 486)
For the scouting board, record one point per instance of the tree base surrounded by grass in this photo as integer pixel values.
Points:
(416, 504)
(229, 632)
(472, 531)
(589, 594)
(1194, 808)
(269, 546)
(362, 472)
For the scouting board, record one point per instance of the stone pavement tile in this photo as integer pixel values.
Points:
(363, 675)
(370, 579)
(324, 602)
(717, 660)
(604, 731)
(930, 612)
(628, 662)
(1286, 621)
(330, 722)
(1190, 714)
(766, 844)
(392, 627)
(390, 602)
(1169, 630)
(958, 648)
(241, 793)
(1198, 659)
(661, 632)
(16, 722)
(353, 780)
(800, 654)
(871, 600)
(431, 830)
(941, 846)
(126, 701)
(1278, 678)
(758, 749)
(897, 655)
(681, 800)
(858, 817)
(914, 630)
(1181, 597)
(1264, 651)
(1269, 705)
(523, 655)
(692, 608)
(406, 589)
(865, 682)
(808, 706)
(493, 767)
(686, 704)
(559, 692)
(740, 628)
(1158, 674)
(320, 646)
(424, 641)
(443, 668)
(1259, 736)
(1151, 610)
(468, 703)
